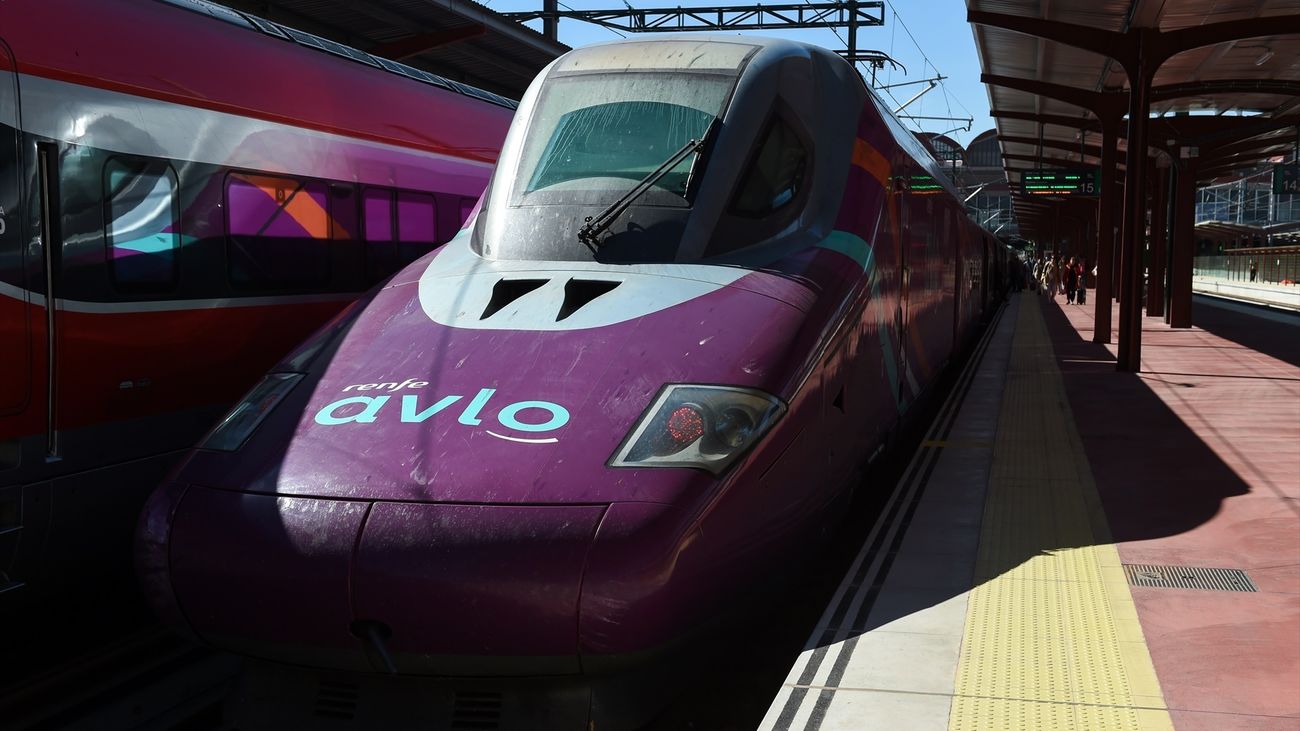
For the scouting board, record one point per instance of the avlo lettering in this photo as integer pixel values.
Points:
(519, 416)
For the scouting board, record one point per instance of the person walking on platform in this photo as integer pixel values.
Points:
(1254, 271)
(1071, 276)
(1051, 279)
(1081, 297)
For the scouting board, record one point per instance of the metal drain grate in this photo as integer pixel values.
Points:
(336, 699)
(1188, 577)
(476, 710)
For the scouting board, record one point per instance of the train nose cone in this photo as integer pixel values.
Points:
(457, 589)
(266, 575)
(475, 589)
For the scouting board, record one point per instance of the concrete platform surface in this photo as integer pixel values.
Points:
(994, 591)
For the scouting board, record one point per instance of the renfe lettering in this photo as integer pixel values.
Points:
(519, 416)
(389, 386)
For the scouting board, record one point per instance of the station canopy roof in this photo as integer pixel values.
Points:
(457, 39)
(1228, 93)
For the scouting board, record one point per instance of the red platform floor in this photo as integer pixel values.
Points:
(1197, 460)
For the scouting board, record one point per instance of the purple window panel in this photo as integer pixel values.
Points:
(377, 210)
(467, 209)
(416, 218)
(276, 228)
(263, 205)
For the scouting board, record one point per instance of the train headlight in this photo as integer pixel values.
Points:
(705, 427)
(243, 420)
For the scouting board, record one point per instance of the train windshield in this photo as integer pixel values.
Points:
(601, 133)
(605, 120)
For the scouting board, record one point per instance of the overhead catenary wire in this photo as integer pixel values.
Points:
(898, 21)
(891, 69)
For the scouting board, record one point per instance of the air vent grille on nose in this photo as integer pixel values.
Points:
(476, 710)
(336, 699)
(580, 292)
(508, 290)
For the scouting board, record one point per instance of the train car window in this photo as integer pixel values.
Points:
(417, 226)
(141, 222)
(400, 227)
(775, 175)
(417, 221)
(377, 213)
(276, 226)
(343, 212)
(378, 231)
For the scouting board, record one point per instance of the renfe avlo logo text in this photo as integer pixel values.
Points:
(367, 409)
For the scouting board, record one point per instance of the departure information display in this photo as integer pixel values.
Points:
(1286, 178)
(923, 184)
(1079, 182)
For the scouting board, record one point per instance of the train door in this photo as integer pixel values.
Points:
(955, 238)
(15, 327)
(15, 338)
(903, 200)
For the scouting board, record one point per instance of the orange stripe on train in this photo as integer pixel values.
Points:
(869, 158)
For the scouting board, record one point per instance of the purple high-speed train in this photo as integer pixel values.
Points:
(708, 278)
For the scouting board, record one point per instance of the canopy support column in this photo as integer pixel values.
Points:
(1159, 226)
(1180, 267)
(1130, 308)
(1105, 259)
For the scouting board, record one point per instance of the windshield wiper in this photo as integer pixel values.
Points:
(593, 226)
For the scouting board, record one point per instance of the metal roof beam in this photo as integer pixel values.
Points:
(1088, 150)
(1254, 145)
(1245, 130)
(725, 17)
(1112, 104)
(1044, 160)
(1185, 39)
(1214, 171)
(1060, 120)
(1108, 106)
(1118, 46)
(1226, 86)
(1183, 130)
(1151, 44)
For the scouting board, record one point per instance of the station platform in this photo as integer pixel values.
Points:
(1077, 548)
(1284, 296)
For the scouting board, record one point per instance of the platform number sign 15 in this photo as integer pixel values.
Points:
(1286, 179)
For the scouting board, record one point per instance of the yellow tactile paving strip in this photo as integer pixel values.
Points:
(1052, 639)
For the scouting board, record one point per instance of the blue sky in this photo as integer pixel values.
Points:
(923, 35)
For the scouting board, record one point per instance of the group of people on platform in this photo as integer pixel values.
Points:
(1059, 276)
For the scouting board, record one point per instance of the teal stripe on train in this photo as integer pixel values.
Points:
(857, 249)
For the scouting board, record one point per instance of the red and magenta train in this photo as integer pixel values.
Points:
(214, 186)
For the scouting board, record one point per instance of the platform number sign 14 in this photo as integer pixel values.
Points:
(1286, 179)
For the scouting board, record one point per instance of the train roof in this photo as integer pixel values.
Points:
(261, 25)
(761, 50)
(202, 55)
